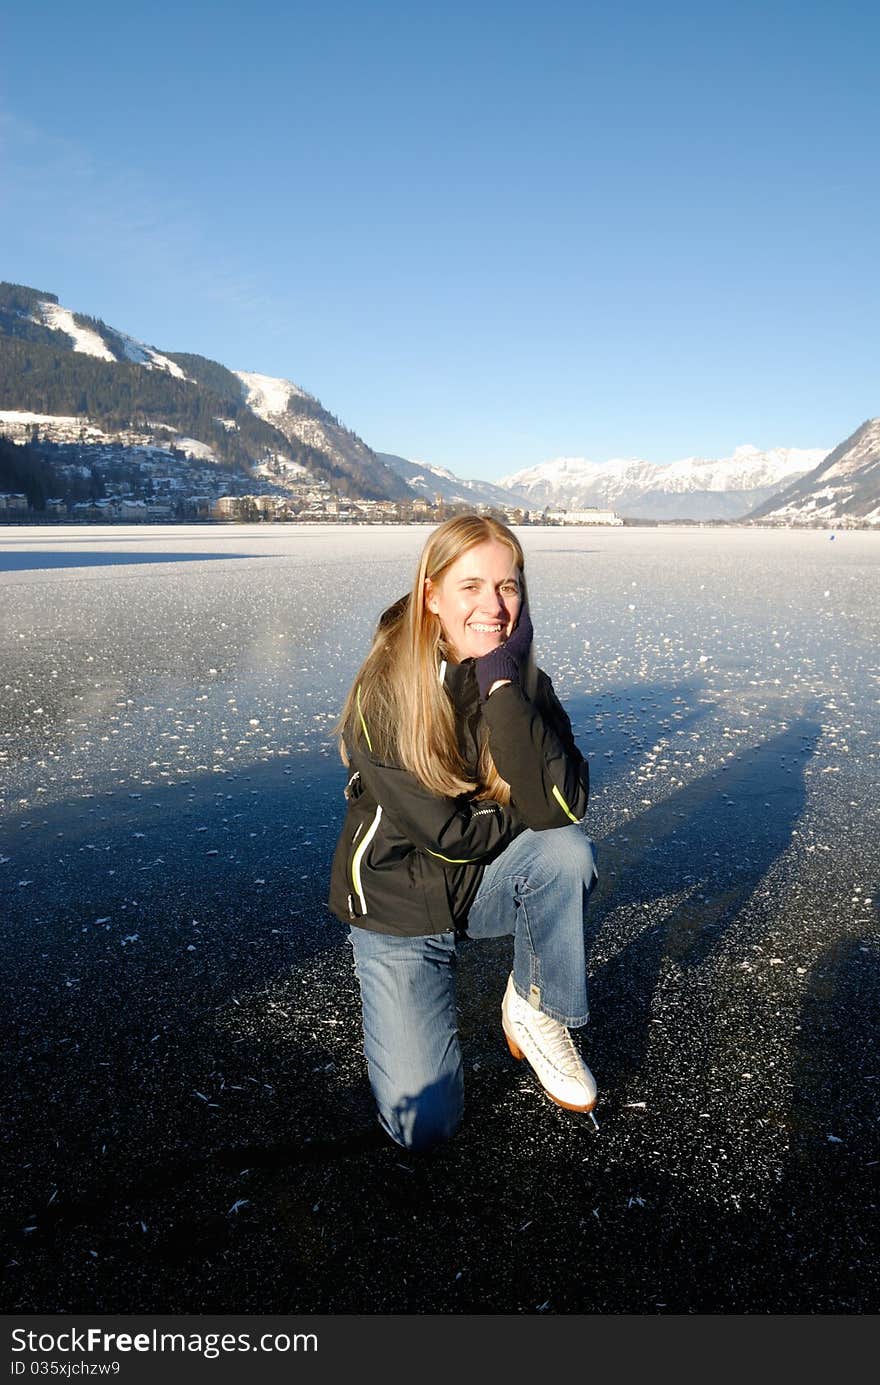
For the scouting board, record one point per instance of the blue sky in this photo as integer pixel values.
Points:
(483, 234)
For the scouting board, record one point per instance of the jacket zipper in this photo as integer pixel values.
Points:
(358, 857)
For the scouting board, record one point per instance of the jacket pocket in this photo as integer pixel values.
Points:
(357, 901)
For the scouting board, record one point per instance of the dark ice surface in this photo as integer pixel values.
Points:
(188, 1126)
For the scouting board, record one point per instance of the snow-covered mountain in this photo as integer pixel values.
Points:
(430, 481)
(301, 418)
(844, 486)
(75, 377)
(693, 488)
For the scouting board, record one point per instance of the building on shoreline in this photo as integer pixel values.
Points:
(587, 516)
(12, 502)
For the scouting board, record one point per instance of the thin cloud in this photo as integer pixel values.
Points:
(117, 217)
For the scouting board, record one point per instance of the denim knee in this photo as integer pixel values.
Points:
(419, 1123)
(568, 852)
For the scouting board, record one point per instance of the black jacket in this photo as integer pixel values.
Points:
(409, 861)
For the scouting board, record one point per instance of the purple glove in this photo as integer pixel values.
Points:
(506, 661)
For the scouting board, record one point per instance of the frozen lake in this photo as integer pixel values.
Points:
(170, 794)
(160, 653)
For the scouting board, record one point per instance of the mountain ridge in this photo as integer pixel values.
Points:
(54, 361)
(690, 488)
(71, 377)
(844, 486)
(429, 481)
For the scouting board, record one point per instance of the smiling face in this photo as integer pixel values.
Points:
(477, 599)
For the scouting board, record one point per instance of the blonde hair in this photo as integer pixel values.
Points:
(397, 707)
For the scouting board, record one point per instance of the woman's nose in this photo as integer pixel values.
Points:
(502, 611)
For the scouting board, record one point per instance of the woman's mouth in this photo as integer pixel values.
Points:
(486, 629)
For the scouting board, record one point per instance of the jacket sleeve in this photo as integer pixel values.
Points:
(534, 750)
(458, 831)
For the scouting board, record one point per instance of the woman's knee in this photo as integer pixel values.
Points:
(569, 852)
(427, 1119)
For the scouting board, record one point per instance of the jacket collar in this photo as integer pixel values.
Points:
(460, 681)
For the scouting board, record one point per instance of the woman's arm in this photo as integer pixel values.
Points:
(531, 742)
(457, 831)
(535, 751)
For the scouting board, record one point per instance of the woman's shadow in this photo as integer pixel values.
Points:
(824, 1207)
(674, 880)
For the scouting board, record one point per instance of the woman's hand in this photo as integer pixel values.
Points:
(503, 665)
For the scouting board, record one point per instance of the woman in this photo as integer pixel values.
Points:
(464, 807)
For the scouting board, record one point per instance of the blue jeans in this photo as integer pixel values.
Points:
(537, 890)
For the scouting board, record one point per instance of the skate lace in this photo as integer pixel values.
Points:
(556, 1042)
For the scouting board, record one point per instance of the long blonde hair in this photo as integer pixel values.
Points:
(397, 707)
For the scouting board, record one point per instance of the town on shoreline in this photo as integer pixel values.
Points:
(142, 484)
